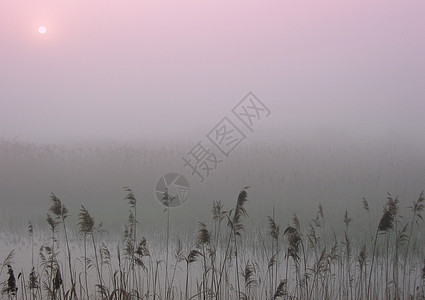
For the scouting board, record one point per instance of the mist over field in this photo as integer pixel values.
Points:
(83, 117)
(320, 189)
(291, 176)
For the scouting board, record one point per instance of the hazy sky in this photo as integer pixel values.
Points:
(156, 68)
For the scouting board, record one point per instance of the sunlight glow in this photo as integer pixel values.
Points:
(42, 29)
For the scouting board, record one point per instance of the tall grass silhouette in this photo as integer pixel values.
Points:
(304, 261)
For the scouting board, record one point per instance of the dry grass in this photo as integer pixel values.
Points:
(305, 261)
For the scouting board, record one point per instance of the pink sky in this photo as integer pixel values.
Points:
(137, 69)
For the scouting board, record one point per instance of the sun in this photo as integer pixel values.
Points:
(42, 29)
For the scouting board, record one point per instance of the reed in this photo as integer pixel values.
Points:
(61, 212)
(229, 262)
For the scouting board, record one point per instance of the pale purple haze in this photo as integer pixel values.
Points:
(160, 69)
(116, 92)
